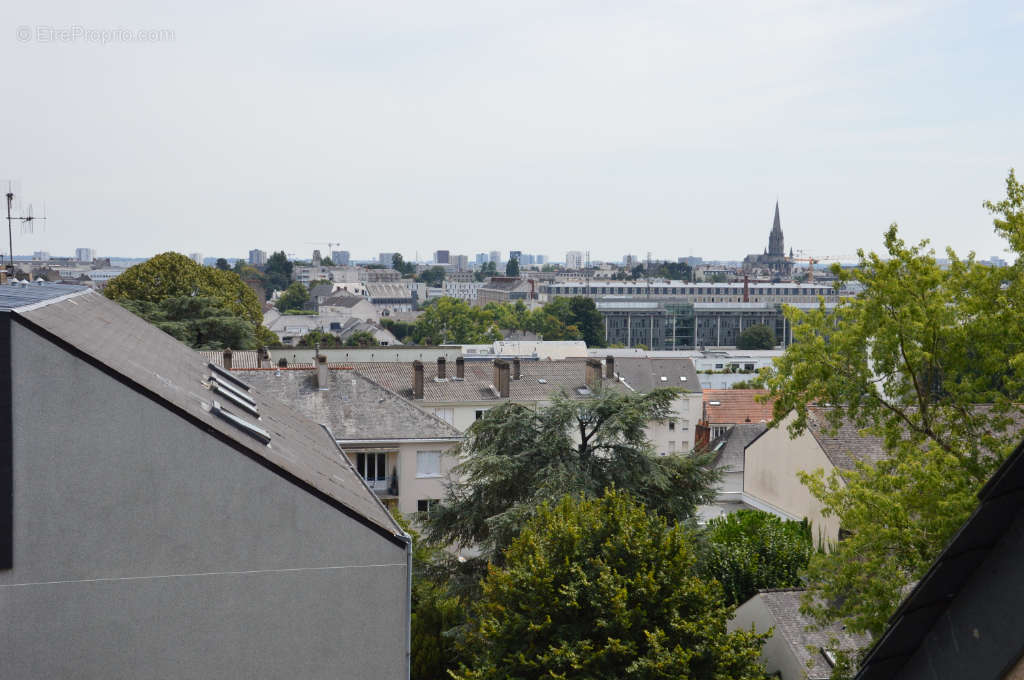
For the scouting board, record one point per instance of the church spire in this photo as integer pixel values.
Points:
(775, 241)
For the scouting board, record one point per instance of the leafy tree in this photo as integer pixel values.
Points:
(200, 322)
(751, 550)
(433, 276)
(514, 459)
(512, 267)
(402, 330)
(326, 262)
(586, 317)
(322, 338)
(601, 588)
(172, 275)
(278, 271)
(222, 264)
(486, 269)
(757, 336)
(931, 360)
(399, 264)
(454, 321)
(361, 339)
(295, 297)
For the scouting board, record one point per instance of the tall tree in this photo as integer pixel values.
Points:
(433, 276)
(512, 267)
(588, 320)
(295, 297)
(222, 264)
(757, 336)
(514, 459)
(454, 321)
(931, 359)
(278, 271)
(601, 588)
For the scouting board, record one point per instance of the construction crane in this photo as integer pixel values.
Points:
(811, 261)
(330, 244)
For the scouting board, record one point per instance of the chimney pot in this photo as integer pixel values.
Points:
(609, 366)
(460, 367)
(501, 378)
(322, 372)
(516, 369)
(442, 368)
(593, 373)
(417, 379)
(227, 358)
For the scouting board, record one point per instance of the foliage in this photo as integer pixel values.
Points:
(454, 321)
(277, 271)
(400, 329)
(222, 264)
(295, 297)
(199, 322)
(266, 338)
(512, 267)
(757, 336)
(407, 269)
(515, 459)
(361, 339)
(487, 269)
(601, 588)
(172, 275)
(318, 337)
(930, 359)
(326, 262)
(751, 550)
(433, 276)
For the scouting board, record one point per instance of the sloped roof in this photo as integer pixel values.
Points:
(729, 447)
(644, 374)
(353, 406)
(729, 407)
(108, 336)
(566, 376)
(346, 300)
(388, 290)
(845, 446)
(793, 627)
(240, 358)
(15, 295)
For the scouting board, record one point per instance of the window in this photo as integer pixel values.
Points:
(480, 413)
(372, 466)
(426, 505)
(672, 425)
(428, 463)
(445, 414)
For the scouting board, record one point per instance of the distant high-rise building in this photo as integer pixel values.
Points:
(340, 258)
(630, 261)
(41, 255)
(386, 259)
(317, 259)
(481, 258)
(85, 254)
(441, 257)
(527, 259)
(495, 256)
(540, 259)
(461, 262)
(257, 258)
(196, 257)
(574, 259)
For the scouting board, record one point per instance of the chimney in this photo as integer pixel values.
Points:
(609, 366)
(746, 288)
(322, 372)
(282, 363)
(442, 366)
(227, 359)
(264, 355)
(460, 368)
(517, 372)
(594, 373)
(501, 375)
(417, 379)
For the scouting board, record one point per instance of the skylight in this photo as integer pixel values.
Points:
(714, 403)
(252, 430)
(223, 385)
(227, 376)
(235, 398)
(664, 378)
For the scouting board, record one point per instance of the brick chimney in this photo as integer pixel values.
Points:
(501, 378)
(227, 358)
(594, 373)
(264, 355)
(442, 365)
(609, 366)
(322, 372)
(460, 368)
(417, 379)
(517, 371)
(746, 288)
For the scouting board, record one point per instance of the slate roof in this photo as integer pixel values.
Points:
(792, 626)
(240, 358)
(735, 406)
(321, 290)
(14, 295)
(845, 446)
(565, 376)
(506, 283)
(388, 290)
(733, 443)
(644, 374)
(108, 336)
(344, 300)
(353, 406)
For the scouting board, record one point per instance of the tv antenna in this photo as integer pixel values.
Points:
(26, 220)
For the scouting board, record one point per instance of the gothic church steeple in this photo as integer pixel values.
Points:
(775, 242)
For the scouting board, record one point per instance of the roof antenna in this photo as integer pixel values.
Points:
(26, 221)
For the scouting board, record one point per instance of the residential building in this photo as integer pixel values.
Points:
(574, 259)
(676, 434)
(192, 526)
(798, 649)
(340, 258)
(724, 408)
(630, 261)
(41, 255)
(462, 289)
(196, 257)
(257, 258)
(388, 298)
(317, 259)
(403, 453)
(506, 289)
(441, 257)
(516, 255)
(382, 276)
(729, 450)
(540, 259)
(461, 263)
(85, 254)
(386, 259)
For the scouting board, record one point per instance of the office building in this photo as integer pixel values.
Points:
(257, 258)
(340, 258)
(574, 259)
(85, 254)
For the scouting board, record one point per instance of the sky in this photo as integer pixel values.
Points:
(626, 127)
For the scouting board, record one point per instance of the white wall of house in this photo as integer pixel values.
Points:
(418, 477)
(676, 435)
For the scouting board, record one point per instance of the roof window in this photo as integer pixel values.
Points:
(253, 431)
(227, 375)
(235, 398)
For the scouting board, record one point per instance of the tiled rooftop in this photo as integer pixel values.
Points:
(729, 407)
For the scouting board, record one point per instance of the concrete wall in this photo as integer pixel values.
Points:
(770, 475)
(145, 548)
(777, 655)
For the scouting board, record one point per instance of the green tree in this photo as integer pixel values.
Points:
(601, 588)
(586, 317)
(400, 265)
(751, 550)
(930, 359)
(278, 271)
(317, 337)
(222, 264)
(361, 339)
(402, 330)
(326, 262)
(486, 270)
(757, 336)
(433, 276)
(515, 459)
(454, 321)
(512, 267)
(200, 322)
(172, 275)
(295, 297)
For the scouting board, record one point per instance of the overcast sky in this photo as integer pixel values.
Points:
(625, 127)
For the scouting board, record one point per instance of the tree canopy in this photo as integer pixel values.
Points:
(200, 322)
(454, 321)
(433, 276)
(757, 336)
(601, 588)
(295, 297)
(277, 271)
(512, 267)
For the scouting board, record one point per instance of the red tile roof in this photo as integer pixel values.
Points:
(732, 407)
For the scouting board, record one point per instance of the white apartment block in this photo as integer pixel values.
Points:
(574, 259)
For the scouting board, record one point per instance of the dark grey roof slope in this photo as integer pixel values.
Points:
(845, 446)
(16, 295)
(644, 374)
(795, 629)
(1002, 500)
(108, 336)
(353, 407)
(729, 447)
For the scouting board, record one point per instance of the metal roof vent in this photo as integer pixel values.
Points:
(714, 403)
(253, 431)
